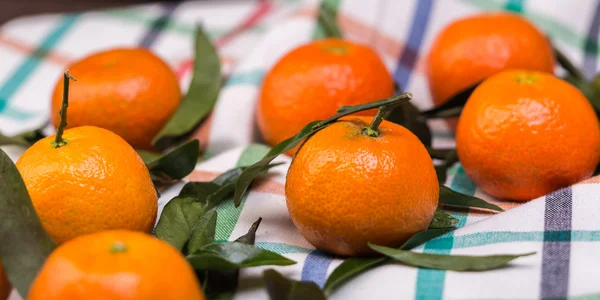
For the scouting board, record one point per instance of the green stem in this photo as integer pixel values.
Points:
(564, 62)
(372, 129)
(327, 19)
(59, 141)
(348, 110)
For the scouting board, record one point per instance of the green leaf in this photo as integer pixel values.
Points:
(176, 164)
(452, 107)
(252, 153)
(251, 172)
(250, 236)
(228, 177)
(447, 262)
(448, 157)
(423, 237)
(148, 156)
(234, 255)
(327, 26)
(220, 285)
(25, 244)
(281, 288)
(409, 116)
(178, 220)
(24, 139)
(452, 198)
(13, 140)
(442, 173)
(442, 219)
(201, 96)
(200, 190)
(349, 269)
(204, 232)
(223, 284)
(353, 266)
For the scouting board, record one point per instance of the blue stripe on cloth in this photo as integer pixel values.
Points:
(590, 61)
(316, 266)
(20, 75)
(408, 58)
(159, 24)
(556, 255)
(430, 283)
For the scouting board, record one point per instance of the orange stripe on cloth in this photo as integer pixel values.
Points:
(24, 48)
(262, 185)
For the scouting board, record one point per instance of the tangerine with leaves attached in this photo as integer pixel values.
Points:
(349, 185)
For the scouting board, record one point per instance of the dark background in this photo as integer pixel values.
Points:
(10, 9)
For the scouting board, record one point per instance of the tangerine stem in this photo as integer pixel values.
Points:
(59, 141)
(348, 110)
(382, 113)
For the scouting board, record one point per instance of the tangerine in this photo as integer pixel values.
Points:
(116, 264)
(476, 47)
(523, 134)
(345, 188)
(313, 81)
(95, 182)
(129, 91)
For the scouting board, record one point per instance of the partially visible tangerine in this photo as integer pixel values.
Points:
(116, 264)
(313, 81)
(475, 47)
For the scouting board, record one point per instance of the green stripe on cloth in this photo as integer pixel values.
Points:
(430, 283)
(227, 213)
(253, 77)
(281, 248)
(514, 5)
(555, 28)
(21, 74)
(496, 237)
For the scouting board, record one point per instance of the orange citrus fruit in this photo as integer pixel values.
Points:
(5, 287)
(95, 182)
(116, 264)
(345, 188)
(523, 134)
(313, 81)
(129, 91)
(473, 48)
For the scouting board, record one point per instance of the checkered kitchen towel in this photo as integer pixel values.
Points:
(563, 227)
